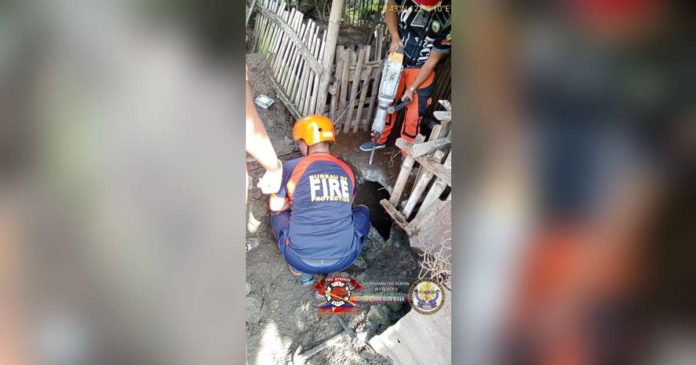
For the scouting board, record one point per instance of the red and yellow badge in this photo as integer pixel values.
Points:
(338, 293)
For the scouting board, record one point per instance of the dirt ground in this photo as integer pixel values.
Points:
(280, 314)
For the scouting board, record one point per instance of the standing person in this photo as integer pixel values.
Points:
(422, 28)
(313, 218)
(259, 146)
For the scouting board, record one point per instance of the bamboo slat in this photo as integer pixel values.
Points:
(354, 91)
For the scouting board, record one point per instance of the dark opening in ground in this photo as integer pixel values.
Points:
(369, 194)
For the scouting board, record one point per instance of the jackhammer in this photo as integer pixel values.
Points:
(388, 86)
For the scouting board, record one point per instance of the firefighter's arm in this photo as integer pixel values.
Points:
(423, 74)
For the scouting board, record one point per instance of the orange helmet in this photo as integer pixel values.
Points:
(314, 129)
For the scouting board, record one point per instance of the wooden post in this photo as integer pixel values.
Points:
(327, 62)
(251, 10)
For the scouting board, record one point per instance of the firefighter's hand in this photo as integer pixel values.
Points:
(271, 180)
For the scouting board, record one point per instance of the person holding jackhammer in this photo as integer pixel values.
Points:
(318, 230)
(422, 29)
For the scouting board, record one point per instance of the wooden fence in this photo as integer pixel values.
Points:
(353, 93)
(294, 47)
(422, 212)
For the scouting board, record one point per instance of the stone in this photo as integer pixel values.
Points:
(375, 237)
(258, 194)
(404, 343)
(395, 307)
(359, 265)
(362, 336)
(253, 310)
(247, 289)
(378, 314)
(300, 325)
(252, 223)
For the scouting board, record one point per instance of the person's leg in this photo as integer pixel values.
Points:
(361, 221)
(417, 107)
(280, 224)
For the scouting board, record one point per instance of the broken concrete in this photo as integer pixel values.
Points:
(253, 310)
(418, 338)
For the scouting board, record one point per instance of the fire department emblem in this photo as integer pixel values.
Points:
(426, 296)
(338, 294)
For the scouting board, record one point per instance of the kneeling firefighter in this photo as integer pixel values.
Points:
(318, 230)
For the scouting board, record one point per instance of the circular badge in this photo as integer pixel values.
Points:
(337, 293)
(426, 296)
(436, 26)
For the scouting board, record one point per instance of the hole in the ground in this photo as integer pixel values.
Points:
(369, 194)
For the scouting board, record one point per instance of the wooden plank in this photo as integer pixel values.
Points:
(294, 79)
(443, 115)
(262, 30)
(284, 49)
(280, 93)
(257, 32)
(421, 183)
(354, 91)
(280, 20)
(275, 38)
(298, 64)
(438, 187)
(337, 83)
(251, 10)
(271, 28)
(446, 104)
(380, 43)
(292, 58)
(279, 65)
(306, 70)
(319, 93)
(342, 87)
(362, 121)
(364, 77)
(312, 77)
(375, 92)
(437, 169)
(421, 149)
(434, 134)
(349, 56)
(304, 92)
(405, 172)
(328, 53)
(265, 35)
(396, 215)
